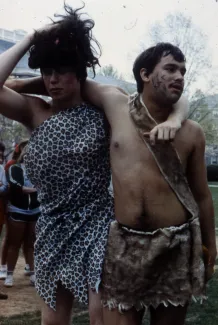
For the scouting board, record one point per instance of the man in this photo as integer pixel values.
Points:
(136, 179)
(154, 248)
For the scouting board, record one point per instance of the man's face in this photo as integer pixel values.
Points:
(167, 79)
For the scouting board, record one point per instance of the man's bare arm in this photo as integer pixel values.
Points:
(197, 177)
(27, 86)
(98, 94)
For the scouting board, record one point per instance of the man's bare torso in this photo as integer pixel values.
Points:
(143, 199)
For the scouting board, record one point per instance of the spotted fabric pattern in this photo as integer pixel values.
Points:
(68, 162)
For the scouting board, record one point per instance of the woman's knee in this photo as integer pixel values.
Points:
(63, 313)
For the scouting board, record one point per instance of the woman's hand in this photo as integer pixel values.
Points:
(165, 131)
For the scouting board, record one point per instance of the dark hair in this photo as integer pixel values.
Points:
(2, 147)
(151, 57)
(69, 43)
(18, 149)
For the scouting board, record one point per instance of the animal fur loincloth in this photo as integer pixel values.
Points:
(144, 269)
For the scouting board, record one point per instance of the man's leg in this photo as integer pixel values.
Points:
(130, 317)
(168, 315)
(63, 313)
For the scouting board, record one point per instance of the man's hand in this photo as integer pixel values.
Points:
(209, 256)
(164, 132)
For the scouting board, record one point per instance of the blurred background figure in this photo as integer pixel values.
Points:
(3, 192)
(3, 267)
(23, 212)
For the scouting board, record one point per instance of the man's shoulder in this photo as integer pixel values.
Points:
(193, 131)
(192, 126)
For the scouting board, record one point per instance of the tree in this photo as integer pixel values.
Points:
(180, 30)
(11, 132)
(200, 112)
(109, 71)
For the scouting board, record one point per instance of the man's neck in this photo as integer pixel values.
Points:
(159, 112)
(60, 104)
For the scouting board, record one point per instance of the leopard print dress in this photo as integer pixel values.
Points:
(68, 162)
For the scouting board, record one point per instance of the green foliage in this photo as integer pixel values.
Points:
(11, 132)
(109, 71)
(201, 113)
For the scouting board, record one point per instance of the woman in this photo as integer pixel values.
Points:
(68, 162)
(23, 212)
(4, 250)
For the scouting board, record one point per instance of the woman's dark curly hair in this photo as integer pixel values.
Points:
(69, 43)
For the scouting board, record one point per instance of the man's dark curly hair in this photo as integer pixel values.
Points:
(69, 43)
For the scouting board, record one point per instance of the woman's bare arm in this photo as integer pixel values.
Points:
(12, 104)
(28, 190)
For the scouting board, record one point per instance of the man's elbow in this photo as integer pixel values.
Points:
(203, 197)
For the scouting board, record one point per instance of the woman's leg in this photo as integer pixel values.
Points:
(95, 308)
(25, 253)
(4, 252)
(4, 247)
(29, 240)
(16, 230)
(63, 313)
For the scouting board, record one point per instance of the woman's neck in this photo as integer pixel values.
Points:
(58, 105)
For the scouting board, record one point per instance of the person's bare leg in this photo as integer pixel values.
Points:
(95, 308)
(29, 240)
(114, 317)
(16, 232)
(25, 250)
(63, 313)
(168, 315)
(3, 296)
(4, 247)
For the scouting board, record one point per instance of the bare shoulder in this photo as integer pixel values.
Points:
(39, 109)
(113, 95)
(194, 132)
(193, 126)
